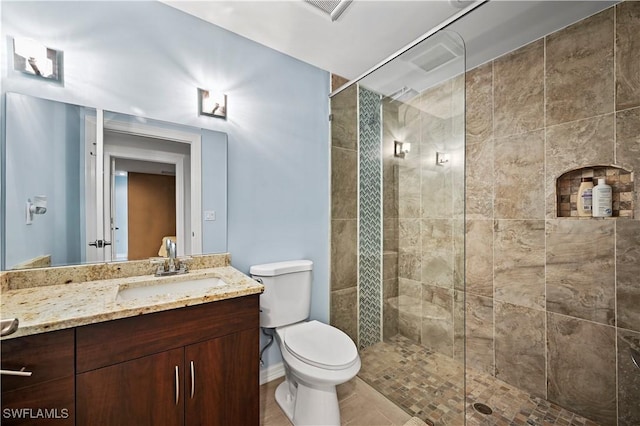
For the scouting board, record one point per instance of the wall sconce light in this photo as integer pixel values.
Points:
(212, 104)
(37, 206)
(442, 158)
(30, 57)
(401, 149)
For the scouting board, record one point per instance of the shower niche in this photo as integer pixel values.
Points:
(620, 179)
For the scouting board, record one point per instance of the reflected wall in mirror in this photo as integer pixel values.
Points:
(116, 185)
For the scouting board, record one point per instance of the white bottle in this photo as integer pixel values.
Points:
(602, 197)
(585, 194)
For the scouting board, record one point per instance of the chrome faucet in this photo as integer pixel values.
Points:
(171, 265)
(171, 253)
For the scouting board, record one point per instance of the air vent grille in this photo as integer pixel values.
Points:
(332, 8)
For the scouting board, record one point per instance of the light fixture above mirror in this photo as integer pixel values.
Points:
(33, 58)
(212, 104)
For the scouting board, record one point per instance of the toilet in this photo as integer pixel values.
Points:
(316, 356)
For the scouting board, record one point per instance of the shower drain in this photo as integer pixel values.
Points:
(482, 408)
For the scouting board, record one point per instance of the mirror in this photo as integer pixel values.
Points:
(102, 186)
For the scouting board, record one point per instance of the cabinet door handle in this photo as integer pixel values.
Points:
(193, 380)
(20, 372)
(177, 385)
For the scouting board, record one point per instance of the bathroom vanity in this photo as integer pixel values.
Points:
(154, 360)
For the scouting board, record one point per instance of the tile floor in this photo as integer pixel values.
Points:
(400, 379)
(360, 405)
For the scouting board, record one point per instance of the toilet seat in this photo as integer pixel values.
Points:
(321, 345)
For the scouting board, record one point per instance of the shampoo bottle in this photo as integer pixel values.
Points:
(585, 197)
(602, 197)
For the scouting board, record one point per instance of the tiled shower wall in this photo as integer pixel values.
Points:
(553, 304)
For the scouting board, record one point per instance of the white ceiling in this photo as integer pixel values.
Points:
(370, 31)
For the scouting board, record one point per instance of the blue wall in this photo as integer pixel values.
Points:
(147, 59)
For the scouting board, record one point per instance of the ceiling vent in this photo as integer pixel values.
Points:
(332, 8)
(433, 58)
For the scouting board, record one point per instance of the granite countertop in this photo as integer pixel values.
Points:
(54, 307)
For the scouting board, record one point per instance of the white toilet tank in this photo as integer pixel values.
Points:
(287, 292)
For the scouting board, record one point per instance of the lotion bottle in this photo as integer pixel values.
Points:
(584, 201)
(602, 197)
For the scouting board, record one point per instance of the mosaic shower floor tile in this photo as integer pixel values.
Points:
(431, 386)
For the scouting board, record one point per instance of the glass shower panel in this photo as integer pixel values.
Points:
(411, 117)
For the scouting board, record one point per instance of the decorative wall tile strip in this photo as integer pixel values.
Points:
(370, 216)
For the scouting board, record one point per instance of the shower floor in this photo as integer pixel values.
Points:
(430, 386)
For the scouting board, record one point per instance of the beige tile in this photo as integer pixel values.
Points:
(344, 180)
(344, 122)
(479, 332)
(627, 58)
(479, 257)
(458, 326)
(344, 311)
(519, 176)
(437, 319)
(519, 90)
(520, 355)
(344, 253)
(480, 177)
(579, 70)
(410, 263)
(581, 269)
(628, 379)
(479, 102)
(437, 252)
(628, 145)
(519, 265)
(390, 268)
(368, 407)
(574, 145)
(410, 309)
(390, 318)
(390, 233)
(437, 187)
(409, 233)
(627, 273)
(582, 367)
(409, 189)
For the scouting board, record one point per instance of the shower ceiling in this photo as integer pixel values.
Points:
(370, 31)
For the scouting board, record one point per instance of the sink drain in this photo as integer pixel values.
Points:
(482, 408)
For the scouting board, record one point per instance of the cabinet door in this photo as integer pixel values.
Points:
(145, 391)
(225, 381)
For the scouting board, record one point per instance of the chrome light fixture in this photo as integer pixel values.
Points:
(401, 149)
(212, 104)
(31, 57)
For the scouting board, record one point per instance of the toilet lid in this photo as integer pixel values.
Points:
(321, 345)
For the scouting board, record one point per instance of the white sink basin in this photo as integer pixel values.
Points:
(175, 289)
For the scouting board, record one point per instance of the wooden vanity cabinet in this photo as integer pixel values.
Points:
(47, 396)
(191, 366)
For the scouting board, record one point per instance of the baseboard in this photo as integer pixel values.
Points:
(271, 372)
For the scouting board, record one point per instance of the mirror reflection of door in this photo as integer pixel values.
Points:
(143, 208)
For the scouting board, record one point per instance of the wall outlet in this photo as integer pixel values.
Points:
(209, 215)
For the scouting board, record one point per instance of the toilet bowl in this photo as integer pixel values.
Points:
(317, 357)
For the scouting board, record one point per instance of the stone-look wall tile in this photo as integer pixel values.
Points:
(520, 347)
(408, 233)
(574, 145)
(343, 314)
(410, 309)
(579, 70)
(519, 90)
(582, 367)
(519, 176)
(437, 252)
(628, 273)
(409, 189)
(628, 379)
(479, 332)
(458, 326)
(436, 184)
(627, 58)
(389, 188)
(390, 268)
(628, 146)
(344, 122)
(437, 319)
(337, 81)
(519, 264)
(390, 234)
(390, 319)
(344, 254)
(437, 100)
(480, 177)
(459, 281)
(410, 263)
(581, 269)
(479, 257)
(479, 102)
(344, 195)
(390, 132)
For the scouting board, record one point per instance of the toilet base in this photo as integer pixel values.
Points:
(309, 406)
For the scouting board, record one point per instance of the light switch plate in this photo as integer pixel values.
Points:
(209, 215)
